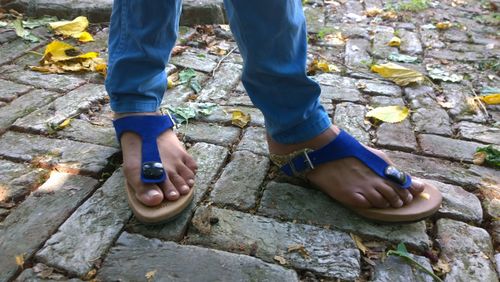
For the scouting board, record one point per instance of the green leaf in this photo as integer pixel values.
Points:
(186, 75)
(183, 114)
(206, 108)
(23, 33)
(34, 23)
(402, 252)
(395, 57)
(3, 24)
(438, 74)
(195, 85)
(492, 155)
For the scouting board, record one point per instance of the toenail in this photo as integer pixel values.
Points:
(400, 203)
(409, 198)
(185, 187)
(153, 193)
(191, 181)
(172, 193)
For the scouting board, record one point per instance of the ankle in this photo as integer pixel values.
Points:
(315, 143)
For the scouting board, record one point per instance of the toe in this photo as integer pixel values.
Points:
(180, 184)
(417, 187)
(149, 195)
(169, 191)
(403, 194)
(376, 199)
(394, 198)
(190, 163)
(187, 174)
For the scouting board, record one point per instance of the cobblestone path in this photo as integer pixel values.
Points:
(63, 212)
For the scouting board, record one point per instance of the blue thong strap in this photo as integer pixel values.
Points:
(345, 146)
(148, 128)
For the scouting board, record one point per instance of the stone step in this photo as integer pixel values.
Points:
(135, 258)
(32, 222)
(329, 253)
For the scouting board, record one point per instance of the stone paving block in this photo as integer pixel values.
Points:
(315, 18)
(220, 86)
(34, 220)
(63, 108)
(490, 197)
(479, 132)
(254, 140)
(397, 269)
(85, 131)
(382, 101)
(432, 120)
(329, 253)
(338, 88)
(223, 115)
(238, 98)
(374, 87)
(53, 82)
(455, 35)
(64, 155)
(470, 178)
(455, 149)
(15, 48)
(445, 54)
(458, 204)
(196, 12)
(210, 159)
(89, 232)
(356, 54)
(457, 96)
(381, 48)
(372, 4)
(210, 133)
(24, 105)
(467, 250)
(240, 181)
(196, 61)
(410, 44)
(11, 90)
(30, 275)
(171, 261)
(430, 38)
(18, 180)
(290, 202)
(399, 136)
(351, 118)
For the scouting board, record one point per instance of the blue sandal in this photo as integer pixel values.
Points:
(345, 146)
(149, 128)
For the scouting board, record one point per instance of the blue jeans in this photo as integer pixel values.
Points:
(272, 39)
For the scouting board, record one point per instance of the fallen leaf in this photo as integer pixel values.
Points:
(75, 28)
(23, 33)
(488, 155)
(239, 118)
(89, 275)
(438, 74)
(300, 249)
(394, 42)
(321, 65)
(186, 75)
(20, 260)
(403, 253)
(491, 99)
(65, 123)
(359, 243)
(395, 57)
(183, 114)
(281, 260)
(425, 196)
(85, 37)
(170, 83)
(373, 12)
(441, 267)
(391, 114)
(400, 75)
(150, 275)
(443, 25)
(389, 15)
(34, 23)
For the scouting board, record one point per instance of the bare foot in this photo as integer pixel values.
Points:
(348, 180)
(178, 164)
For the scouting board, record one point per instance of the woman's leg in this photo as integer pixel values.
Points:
(272, 39)
(142, 35)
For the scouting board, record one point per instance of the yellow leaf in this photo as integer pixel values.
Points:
(359, 243)
(65, 123)
(20, 260)
(395, 42)
(239, 118)
(70, 28)
(101, 68)
(425, 196)
(373, 12)
(281, 260)
(150, 275)
(57, 51)
(84, 37)
(492, 99)
(170, 83)
(443, 25)
(400, 75)
(389, 114)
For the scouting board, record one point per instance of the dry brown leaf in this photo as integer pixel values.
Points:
(441, 267)
(359, 243)
(150, 275)
(281, 260)
(373, 12)
(300, 249)
(479, 158)
(390, 15)
(20, 260)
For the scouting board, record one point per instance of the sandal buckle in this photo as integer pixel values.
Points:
(307, 162)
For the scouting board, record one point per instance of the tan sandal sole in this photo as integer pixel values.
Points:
(161, 213)
(421, 207)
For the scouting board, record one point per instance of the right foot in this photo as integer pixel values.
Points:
(178, 164)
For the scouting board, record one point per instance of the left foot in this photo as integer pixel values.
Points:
(348, 180)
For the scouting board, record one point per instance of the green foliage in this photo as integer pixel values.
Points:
(403, 253)
(408, 5)
(492, 155)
